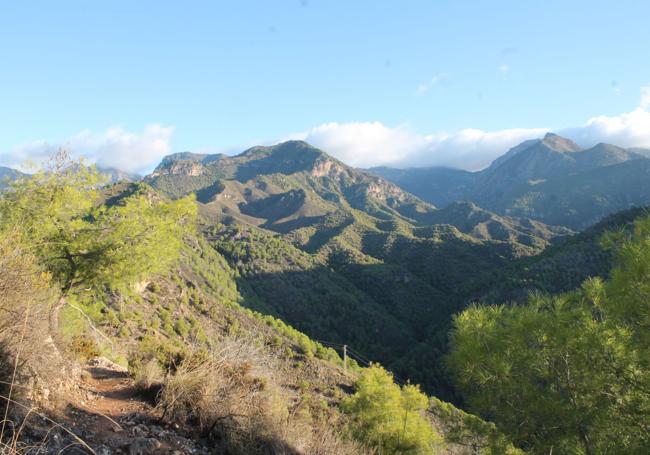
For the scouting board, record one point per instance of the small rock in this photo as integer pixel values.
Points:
(103, 362)
(139, 430)
(144, 446)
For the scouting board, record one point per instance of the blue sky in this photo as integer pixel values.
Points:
(376, 82)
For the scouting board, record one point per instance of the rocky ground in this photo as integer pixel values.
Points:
(106, 414)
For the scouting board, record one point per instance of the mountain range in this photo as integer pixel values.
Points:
(345, 255)
(382, 259)
(294, 188)
(111, 174)
(552, 179)
(295, 252)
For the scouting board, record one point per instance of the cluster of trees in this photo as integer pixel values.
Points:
(59, 215)
(62, 239)
(567, 373)
(389, 417)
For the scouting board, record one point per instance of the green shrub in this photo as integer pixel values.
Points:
(182, 328)
(389, 418)
(306, 346)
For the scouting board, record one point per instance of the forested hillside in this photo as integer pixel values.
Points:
(171, 303)
(345, 256)
(129, 332)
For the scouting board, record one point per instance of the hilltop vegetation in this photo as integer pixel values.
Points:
(564, 266)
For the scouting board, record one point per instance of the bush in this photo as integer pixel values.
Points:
(147, 375)
(306, 346)
(389, 418)
(182, 328)
(84, 348)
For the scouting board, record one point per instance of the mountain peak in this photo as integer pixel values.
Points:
(290, 144)
(202, 158)
(559, 143)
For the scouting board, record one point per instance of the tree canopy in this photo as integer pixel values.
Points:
(566, 373)
(86, 241)
(389, 417)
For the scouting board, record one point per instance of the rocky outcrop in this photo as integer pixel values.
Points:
(189, 168)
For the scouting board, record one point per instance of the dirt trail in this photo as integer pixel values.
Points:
(112, 391)
(111, 416)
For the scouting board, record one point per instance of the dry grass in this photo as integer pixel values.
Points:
(25, 298)
(233, 399)
(147, 375)
(326, 440)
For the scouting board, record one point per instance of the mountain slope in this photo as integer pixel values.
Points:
(293, 186)
(259, 175)
(565, 265)
(550, 179)
(343, 255)
(582, 199)
(205, 374)
(438, 185)
(8, 175)
(115, 175)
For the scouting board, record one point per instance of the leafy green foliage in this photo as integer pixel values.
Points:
(388, 417)
(470, 431)
(568, 372)
(83, 243)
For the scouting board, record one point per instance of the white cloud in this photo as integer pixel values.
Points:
(427, 86)
(115, 147)
(631, 129)
(366, 144)
(361, 144)
(504, 68)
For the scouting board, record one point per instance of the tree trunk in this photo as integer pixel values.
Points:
(54, 315)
